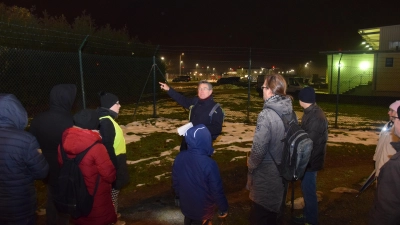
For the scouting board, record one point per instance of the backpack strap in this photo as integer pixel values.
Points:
(213, 110)
(78, 160)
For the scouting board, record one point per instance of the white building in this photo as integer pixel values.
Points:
(374, 71)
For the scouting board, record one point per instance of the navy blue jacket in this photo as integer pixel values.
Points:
(20, 163)
(196, 177)
(199, 114)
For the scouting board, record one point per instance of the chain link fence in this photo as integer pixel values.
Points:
(33, 60)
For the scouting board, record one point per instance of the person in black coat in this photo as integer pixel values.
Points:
(48, 127)
(315, 124)
(21, 163)
(200, 108)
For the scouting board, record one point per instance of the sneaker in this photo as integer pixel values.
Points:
(299, 219)
(118, 215)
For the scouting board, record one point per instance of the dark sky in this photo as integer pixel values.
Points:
(316, 25)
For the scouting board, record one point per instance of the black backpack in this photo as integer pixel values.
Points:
(73, 198)
(296, 153)
(297, 149)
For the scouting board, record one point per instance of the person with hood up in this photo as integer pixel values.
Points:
(21, 163)
(113, 139)
(48, 127)
(96, 162)
(196, 179)
(266, 186)
(201, 108)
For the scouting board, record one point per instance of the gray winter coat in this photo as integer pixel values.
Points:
(264, 183)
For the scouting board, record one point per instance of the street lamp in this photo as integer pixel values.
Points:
(307, 67)
(180, 62)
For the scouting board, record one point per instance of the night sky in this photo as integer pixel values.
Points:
(316, 25)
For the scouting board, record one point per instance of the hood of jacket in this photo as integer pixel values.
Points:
(281, 104)
(62, 97)
(75, 139)
(199, 141)
(12, 113)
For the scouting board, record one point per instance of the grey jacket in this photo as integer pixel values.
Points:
(263, 181)
(269, 132)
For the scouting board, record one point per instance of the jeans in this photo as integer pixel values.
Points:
(309, 189)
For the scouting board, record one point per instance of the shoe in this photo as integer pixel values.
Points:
(299, 219)
(118, 215)
(119, 222)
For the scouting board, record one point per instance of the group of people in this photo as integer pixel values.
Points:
(33, 155)
(28, 156)
(267, 188)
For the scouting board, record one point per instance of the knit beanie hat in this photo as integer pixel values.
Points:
(107, 100)
(307, 95)
(395, 105)
(87, 119)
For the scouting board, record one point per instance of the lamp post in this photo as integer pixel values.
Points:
(196, 72)
(180, 62)
(308, 68)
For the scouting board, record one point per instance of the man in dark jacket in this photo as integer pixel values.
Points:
(196, 179)
(202, 109)
(48, 128)
(21, 162)
(385, 209)
(315, 124)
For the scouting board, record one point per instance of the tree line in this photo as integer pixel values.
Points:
(21, 28)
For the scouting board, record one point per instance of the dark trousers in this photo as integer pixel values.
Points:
(261, 216)
(52, 216)
(28, 221)
(189, 221)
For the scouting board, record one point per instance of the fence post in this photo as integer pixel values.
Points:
(248, 90)
(337, 90)
(154, 87)
(81, 70)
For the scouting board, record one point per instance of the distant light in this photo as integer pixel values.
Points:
(363, 43)
(364, 65)
(340, 65)
(370, 49)
(367, 46)
(162, 58)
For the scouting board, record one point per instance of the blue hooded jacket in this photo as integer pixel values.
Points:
(20, 163)
(196, 177)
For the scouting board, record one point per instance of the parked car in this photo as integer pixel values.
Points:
(294, 84)
(181, 79)
(228, 80)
